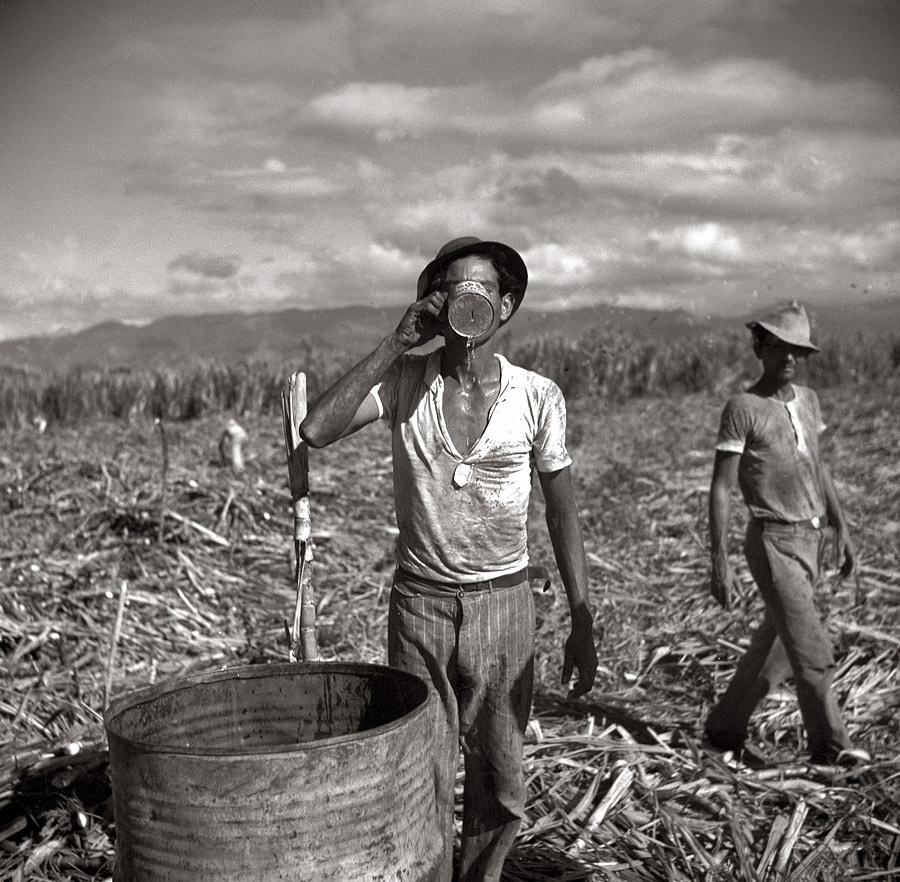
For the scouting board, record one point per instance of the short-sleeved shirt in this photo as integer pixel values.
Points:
(462, 516)
(780, 473)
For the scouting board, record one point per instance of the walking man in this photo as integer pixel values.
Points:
(468, 429)
(768, 445)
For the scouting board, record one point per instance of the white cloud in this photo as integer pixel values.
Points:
(706, 241)
(632, 146)
(287, 182)
(390, 109)
(210, 266)
(877, 245)
(556, 265)
(642, 97)
(453, 42)
(391, 263)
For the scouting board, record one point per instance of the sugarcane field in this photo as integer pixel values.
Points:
(140, 548)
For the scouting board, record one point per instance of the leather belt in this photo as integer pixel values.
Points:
(816, 523)
(500, 582)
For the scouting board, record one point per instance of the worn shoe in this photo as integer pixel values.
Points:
(723, 740)
(745, 752)
(851, 758)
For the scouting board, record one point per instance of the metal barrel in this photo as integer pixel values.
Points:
(311, 771)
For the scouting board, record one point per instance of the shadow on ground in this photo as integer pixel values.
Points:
(537, 863)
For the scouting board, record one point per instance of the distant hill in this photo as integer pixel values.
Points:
(276, 336)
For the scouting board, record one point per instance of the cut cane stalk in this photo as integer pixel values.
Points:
(302, 636)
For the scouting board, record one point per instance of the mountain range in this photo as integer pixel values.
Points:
(277, 336)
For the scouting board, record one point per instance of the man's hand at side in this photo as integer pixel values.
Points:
(723, 584)
(564, 527)
(581, 655)
(844, 553)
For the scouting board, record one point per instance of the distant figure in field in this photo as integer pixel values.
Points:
(768, 445)
(469, 429)
(231, 446)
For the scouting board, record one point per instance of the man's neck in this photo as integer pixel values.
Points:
(768, 387)
(469, 365)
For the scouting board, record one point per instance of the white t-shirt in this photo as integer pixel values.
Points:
(463, 516)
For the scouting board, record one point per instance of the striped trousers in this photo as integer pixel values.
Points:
(475, 649)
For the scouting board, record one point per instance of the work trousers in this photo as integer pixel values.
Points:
(791, 641)
(476, 651)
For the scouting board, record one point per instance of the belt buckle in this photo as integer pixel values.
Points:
(816, 522)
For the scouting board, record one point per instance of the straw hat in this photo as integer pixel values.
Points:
(788, 323)
(456, 248)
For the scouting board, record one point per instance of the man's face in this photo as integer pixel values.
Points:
(480, 269)
(780, 360)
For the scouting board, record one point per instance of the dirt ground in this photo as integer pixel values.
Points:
(131, 555)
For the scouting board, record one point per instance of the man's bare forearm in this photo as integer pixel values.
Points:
(333, 412)
(568, 550)
(564, 527)
(832, 503)
(725, 476)
(719, 518)
(331, 417)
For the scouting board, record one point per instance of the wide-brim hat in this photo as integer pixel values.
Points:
(464, 245)
(788, 323)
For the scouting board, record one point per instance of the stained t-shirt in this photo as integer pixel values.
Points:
(462, 516)
(780, 472)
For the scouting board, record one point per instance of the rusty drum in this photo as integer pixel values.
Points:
(309, 772)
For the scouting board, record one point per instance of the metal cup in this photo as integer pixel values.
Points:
(470, 311)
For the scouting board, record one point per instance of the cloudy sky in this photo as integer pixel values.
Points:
(186, 156)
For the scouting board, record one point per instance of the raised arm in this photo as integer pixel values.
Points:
(346, 406)
(564, 527)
